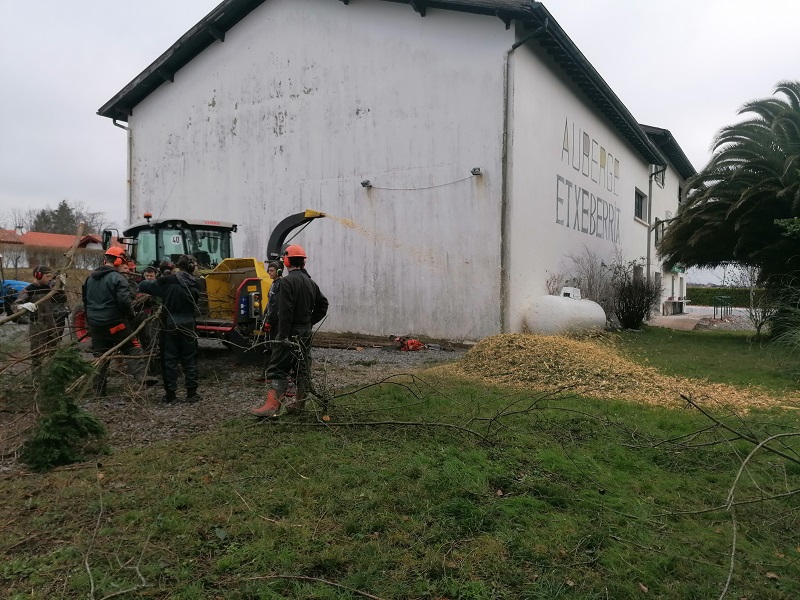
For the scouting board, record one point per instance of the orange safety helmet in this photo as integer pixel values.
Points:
(293, 251)
(116, 256)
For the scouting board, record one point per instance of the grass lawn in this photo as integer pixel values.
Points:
(489, 495)
(733, 357)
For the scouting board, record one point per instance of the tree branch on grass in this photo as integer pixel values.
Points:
(316, 580)
(142, 581)
(734, 504)
(733, 558)
(741, 435)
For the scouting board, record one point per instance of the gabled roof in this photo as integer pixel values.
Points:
(541, 24)
(56, 240)
(47, 240)
(9, 236)
(670, 148)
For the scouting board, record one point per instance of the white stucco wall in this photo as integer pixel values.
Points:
(304, 100)
(561, 197)
(665, 205)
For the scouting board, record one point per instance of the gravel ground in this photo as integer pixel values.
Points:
(732, 323)
(136, 418)
(11, 333)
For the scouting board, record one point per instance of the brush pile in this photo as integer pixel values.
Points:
(591, 367)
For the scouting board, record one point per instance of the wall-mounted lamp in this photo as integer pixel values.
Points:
(476, 171)
(366, 183)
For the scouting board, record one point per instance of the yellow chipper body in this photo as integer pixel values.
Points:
(234, 301)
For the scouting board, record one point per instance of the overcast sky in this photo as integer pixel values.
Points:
(684, 65)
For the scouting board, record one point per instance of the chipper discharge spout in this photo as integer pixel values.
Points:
(285, 227)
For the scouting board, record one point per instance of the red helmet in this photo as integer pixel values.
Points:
(293, 251)
(116, 256)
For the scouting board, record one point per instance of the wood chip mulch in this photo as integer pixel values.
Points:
(593, 367)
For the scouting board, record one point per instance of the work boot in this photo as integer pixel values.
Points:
(169, 397)
(296, 403)
(192, 396)
(271, 407)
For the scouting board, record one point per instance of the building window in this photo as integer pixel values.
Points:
(680, 195)
(658, 175)
(640, 206)
(638, 273)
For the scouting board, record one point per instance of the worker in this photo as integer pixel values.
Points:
(46, 320)
(146, 307)
(271, 317)
(300, 305)
(179, 293)
(274, 271)
(109, 314)
(165, 267)
(9, 297)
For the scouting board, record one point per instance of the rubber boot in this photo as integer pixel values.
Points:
(298, 402)
(273, 406)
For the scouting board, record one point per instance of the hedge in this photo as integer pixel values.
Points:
(704, 296)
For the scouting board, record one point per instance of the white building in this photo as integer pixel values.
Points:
(266, 108)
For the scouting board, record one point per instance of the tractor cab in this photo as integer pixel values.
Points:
(150, 242)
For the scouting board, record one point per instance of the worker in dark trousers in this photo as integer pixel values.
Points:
(109, 314)
(149, 335)
(300, 305)
(179, 293)
(45, 318)
(274, 271)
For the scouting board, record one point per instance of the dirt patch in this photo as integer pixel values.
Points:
(136, 417)
(593, 368)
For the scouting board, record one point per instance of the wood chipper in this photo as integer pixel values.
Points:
(234, 298)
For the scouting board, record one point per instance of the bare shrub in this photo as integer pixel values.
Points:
(761, 307)
(554, 282)
(635, 298)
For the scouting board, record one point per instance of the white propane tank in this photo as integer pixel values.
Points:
(553, 315)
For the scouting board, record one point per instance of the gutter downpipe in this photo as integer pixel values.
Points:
(653, 175)
(507, 84)
(129, 168)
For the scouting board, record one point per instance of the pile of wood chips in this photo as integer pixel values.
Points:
(593, 367)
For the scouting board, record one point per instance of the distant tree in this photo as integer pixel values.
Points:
(17, 217)
(65, 218)
(741, 207)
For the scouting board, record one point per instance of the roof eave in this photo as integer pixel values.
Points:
(210, 29)
(664, 139)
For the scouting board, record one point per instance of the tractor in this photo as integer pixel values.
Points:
(234, 297)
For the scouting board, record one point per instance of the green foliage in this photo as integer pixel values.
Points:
(790, 227)
(63, 426)
(736, 207)
(704, 296)
(785, 323)
(65, 218)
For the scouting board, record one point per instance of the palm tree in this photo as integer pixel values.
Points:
(752, 181)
